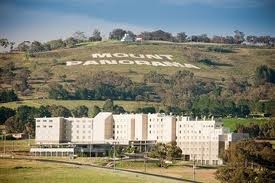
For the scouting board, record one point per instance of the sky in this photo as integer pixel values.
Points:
(44, 20)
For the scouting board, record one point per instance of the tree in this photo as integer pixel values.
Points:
(239, 36)
(46, 74)
(117, 34)
(22, 80)
(96, 36)
(79, 36)
(70, 42)
(146, 110)
(118, 109)
(95, 111)
(5, 113)
(24, 46)
(108, 106)
(56, 91)
(36, 47)
(247, 161)
(80, 111)
(58, 110)
(7, 96)
(13, 125)
(55, 44)
(159, 151)
(62, 77)
(181, 37)
(4, 42)
(173, 151)
(12, 43)
(131, 35)
(44, 111)
(265, 74)
(26, 114)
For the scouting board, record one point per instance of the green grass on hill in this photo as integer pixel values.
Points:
(231, 123)
(243, 61)
(27, 171)
(70, 104)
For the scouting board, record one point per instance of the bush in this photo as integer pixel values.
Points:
(220, 49)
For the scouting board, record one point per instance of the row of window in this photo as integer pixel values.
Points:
(161, 119)
(82, 121)
(83, 137)
(77, 131)
(191, 126)
(44, 120)
(155, 132)
(77, 126)
(156, 125)
(44, 126)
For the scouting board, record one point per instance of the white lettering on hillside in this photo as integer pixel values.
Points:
(131, 55)
(156, 60)
(130, 62)
(103, 55)
(70, 63)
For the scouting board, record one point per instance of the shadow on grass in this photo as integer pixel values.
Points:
(209, 62)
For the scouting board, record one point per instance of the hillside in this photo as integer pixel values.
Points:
(218, 63)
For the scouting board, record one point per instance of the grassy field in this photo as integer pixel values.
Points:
(27, 171)
(231, 123)
(127, 105)
(16, 145)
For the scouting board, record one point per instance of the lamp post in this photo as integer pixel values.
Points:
(4, 143)
(194, 167)
(114, 156)
(145, 161)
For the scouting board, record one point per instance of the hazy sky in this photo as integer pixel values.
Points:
(43, 20)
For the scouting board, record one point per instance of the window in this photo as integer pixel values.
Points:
(44, 126)
(77, 137)
(83, 126)
(150, 131)
(50, 120)
(44, 120)
(77, 126)
(50, 126)
(38, 120)
(37, 126)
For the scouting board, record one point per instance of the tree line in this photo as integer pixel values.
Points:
(180, 93)
(250, 160)
(117, 34)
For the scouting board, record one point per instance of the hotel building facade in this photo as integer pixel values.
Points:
(199, 140)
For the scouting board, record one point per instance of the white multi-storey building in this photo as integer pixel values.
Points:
(49, 130)
(200, 140)
(161, 128)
